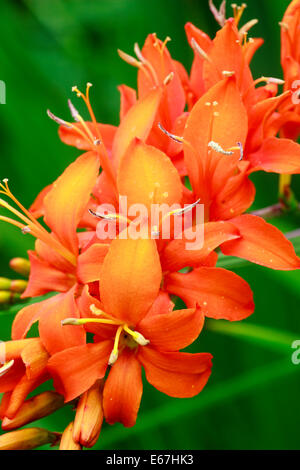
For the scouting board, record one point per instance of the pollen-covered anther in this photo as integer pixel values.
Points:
(199, 50)
(73, 110)
(228, 73)
(217, 148)
(6, 367)
(97, 142)
(174, 137)
(113, 358)
(219, 15)
(129, 59)
(168, 78)
(140, 339)
(58, 120)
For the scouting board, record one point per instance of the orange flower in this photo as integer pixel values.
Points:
(25, 369)
(134, 327)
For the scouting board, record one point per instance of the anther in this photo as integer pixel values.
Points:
(59, 121)
(176, 138)
(169, 78)
(228, 73)
(73, 110)
(219, 15)
(113, 358)
(199, 50)
(217, 148)
(6, 367)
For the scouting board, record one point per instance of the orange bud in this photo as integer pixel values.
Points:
(20, 266)
(35, 408)
(67, 442)
(18, 285)
(26, 439)
(89, 416)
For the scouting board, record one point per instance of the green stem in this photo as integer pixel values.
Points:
(270, 338)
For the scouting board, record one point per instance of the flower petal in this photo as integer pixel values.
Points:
(176, 256)
(128, 99)
(172, 331)
(56, 337)
(123, 390)
(277, 156)
(67, 200)
(71, 137)
(130, 278)
(76, 369)
(29, 315)
(219, 293)
(261, 243)
(137, 123)
(177, 374)
(45, 278)
(156, 180)
(90, 261)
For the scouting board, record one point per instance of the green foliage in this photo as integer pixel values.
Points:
(251, 401)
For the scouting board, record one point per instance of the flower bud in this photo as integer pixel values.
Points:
(89, 416)
(67, 442)
(5, 283)
(27, 439)
(20, 266)
(35, 408)
(18, 285)
(8, 297)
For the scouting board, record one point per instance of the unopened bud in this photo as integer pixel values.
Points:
(89, 416)
(18, 285)
(5, 283)
(8, 297)
(35, 408)
(20, 266)
(27, 439)
(67, 442)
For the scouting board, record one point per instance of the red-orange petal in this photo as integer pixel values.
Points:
(130, 279)
(176, 374)
(172, 331)
(137, 123)
(147, 176)
(123, 390)
(219, 293)
(90, 261)
(45, 278)
(67, 200)
(56, 337)
(261, 243)
(176, 255)
(277, 156)
(76, 369)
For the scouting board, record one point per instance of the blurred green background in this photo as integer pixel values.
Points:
(46, 47)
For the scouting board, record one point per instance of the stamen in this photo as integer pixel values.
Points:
(219, 15)
(238, 11)
(129, 59)
(138, 337)
(83, 321)
(109, 216)
(217, 148)
(244, 29)
(228, 73)
(183, 209)
(115, 352)
(73, 110)
(176, 138)
(199, 50)
(6, 367)
(168, 78)
(30, 224)
(58, 120)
